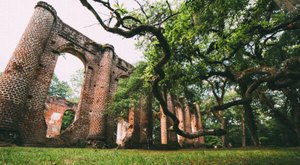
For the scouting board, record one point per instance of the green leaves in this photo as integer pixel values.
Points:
(129, 91)
(120, 8)
(68, 119)
(59, 88)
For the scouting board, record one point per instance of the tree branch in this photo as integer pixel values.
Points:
(230, 104)
(158, 68)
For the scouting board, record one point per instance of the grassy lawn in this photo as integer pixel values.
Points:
(29, 155)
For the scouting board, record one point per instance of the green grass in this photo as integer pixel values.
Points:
(29, 155)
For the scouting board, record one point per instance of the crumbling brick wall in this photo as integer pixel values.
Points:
(54, 113)
(27, 77)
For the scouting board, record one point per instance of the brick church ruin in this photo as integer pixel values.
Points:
(25, 82)
(29, 117)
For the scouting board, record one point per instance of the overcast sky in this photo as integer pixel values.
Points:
(15, 15)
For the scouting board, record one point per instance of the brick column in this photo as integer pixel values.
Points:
(101, 96)
(180, 117)
(111, 123)
(199, 123)
(187, 122)
(21, 70)
(172, 136)
(163, 127)
(146, 123)
(121, 131)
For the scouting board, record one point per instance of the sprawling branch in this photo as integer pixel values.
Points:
(274, 78)
(158, 68)
(230, 104)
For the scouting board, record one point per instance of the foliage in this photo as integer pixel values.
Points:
(59, 88)
(204, 48)
(129, 91)
(26, 155)
(242, 42)
(68, 119)
(62, 89)
(76, 84)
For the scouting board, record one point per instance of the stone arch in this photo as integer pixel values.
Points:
(69, 48)
(26, 79)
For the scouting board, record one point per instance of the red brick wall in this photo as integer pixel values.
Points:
(55, 109)
(25, 82)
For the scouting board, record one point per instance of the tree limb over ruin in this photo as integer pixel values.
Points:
(140, 29)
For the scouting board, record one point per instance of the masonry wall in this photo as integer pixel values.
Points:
(21, 70)
(25, 82)
(102, 92)
(54, 113)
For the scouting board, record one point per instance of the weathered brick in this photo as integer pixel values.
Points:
(27, 77)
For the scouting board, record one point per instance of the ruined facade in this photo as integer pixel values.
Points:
(26, 79)
(132, 132)
(54, 113)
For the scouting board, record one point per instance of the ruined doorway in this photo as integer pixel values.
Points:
(63, 96)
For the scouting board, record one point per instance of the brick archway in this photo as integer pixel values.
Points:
(26, 79)
(55, 111)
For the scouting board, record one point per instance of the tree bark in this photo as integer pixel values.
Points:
(294, 99)
(249, 117)
(243, 130)
(250, 124)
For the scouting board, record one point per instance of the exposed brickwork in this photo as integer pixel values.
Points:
(21, 69)
(102, 91)
(26, 79)
(172, 136)
(55, 109)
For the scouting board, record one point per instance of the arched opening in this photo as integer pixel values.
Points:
(68, 78)
(64, 93)
(68, 119)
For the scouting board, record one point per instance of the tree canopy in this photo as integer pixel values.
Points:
(241, 53)
(59, 88)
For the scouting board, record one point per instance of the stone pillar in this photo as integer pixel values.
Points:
(180, 117)
(163, 127)
(146, 125)
(21, 71)
(79, 130)
(111, 124)
(33, 126)
(187, 122)
(133, 133)
(194, 128)
(172, 136)
(121, 131)
(131, 123)
(199, 123)
(97, 129)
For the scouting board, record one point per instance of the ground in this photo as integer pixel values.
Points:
(28, 155)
